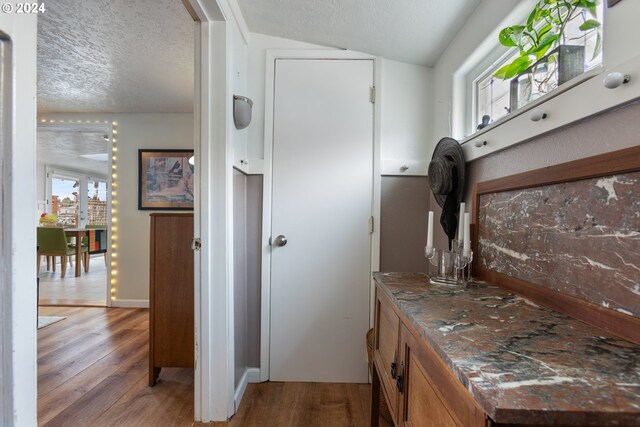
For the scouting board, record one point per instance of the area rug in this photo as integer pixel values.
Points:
(48, 320)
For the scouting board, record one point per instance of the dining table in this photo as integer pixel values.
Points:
(77, 233)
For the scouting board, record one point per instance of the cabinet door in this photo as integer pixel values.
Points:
(171, 314)
(387, 327)
(430, 395)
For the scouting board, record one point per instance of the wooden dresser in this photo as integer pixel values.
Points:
(171, 286)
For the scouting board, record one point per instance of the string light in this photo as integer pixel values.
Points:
(113, 280)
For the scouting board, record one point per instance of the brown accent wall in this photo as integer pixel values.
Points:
(403, 223)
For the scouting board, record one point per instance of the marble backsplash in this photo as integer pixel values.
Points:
(579, 238)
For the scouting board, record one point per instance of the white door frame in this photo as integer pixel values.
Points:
(265, 305)
(213, 211)
(18, 283)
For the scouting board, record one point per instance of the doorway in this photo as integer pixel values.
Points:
(322, 196)
(74, 190)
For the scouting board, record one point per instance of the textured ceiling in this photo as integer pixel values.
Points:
(115, 56)
(413, 31)
(66, 148)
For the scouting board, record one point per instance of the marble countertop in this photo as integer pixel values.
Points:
(522, 363)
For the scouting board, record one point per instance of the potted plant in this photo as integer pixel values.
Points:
(543, 45)
(48, 220)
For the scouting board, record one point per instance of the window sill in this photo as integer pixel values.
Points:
(577, 99)
(532, 105)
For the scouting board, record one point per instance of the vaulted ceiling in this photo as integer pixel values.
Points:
(413, 31)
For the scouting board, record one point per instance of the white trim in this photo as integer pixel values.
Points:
(251, 375)
(18, 348)
(569, 106)
(198, 276)
(377, 184)
(271, 56)
(250, 167)
(130, 303)
(231, 8)
(214, 369)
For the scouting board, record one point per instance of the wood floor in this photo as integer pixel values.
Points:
(93, 366)
(90, 289)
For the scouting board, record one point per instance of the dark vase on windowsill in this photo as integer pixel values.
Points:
(535, 81)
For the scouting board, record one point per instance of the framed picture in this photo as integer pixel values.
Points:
(165, 180)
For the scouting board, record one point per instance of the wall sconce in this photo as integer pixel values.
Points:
(242, 111)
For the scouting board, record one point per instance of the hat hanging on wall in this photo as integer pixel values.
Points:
(242, 111)
(446, 179)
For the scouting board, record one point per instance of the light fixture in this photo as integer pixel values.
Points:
(192, 160)
(113, 279)
(242, 111)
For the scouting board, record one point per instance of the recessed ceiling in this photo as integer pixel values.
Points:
(413, 31)
(78, 147)
(118, 56)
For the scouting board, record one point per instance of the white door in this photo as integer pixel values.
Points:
(322, 201)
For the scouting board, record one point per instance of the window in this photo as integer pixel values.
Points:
(494, 98)
(77, 199)
(97, 202)
(64, 200)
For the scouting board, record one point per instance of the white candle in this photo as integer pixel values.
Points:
(461, 223)
(467, 234)
(430, 230)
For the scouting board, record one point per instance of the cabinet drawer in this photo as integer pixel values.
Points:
(432, 396)
(386, 348)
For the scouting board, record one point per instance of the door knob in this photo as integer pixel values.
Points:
(280, 240)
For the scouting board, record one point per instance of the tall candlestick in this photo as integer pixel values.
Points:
(461, 223)
(467, 234)
(430, 230)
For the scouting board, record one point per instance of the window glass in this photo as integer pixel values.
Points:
(64, 200)
(97, 202)
(492, 97)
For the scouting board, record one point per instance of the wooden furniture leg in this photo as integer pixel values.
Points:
(375, 397)
(48, 262)
(54, 263)
(78, 254)
(63, 266)
(85, 259)
(154, 373)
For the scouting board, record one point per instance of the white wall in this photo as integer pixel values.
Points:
(405, 97)
(135, 131)
(406, 118)
(619, 45)
(486, 18)
(18, 284)
(258, 46)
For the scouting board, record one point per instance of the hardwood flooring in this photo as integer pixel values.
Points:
(93, 366)
(90, 289)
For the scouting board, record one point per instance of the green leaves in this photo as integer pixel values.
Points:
(516, 67)
(589, 24)
(543, 31)
(510, 36)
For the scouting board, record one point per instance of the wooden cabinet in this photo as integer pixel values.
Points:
(420, 389)
(171, 286)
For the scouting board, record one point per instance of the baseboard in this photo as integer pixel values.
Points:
(130, 303)
(251, 375)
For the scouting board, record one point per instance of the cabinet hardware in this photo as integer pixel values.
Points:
(394, 365)
(400, 379)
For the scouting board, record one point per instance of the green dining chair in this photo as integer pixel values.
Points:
(53, 242)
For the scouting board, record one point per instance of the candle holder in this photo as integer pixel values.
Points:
(451, 264)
